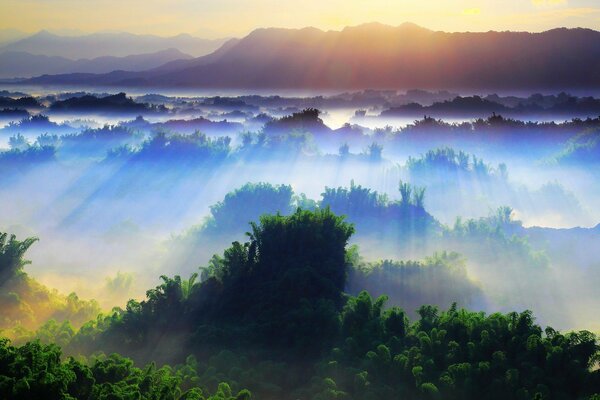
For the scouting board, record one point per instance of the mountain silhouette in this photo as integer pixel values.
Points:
(109, 44)
(380, 56)
(21, 64)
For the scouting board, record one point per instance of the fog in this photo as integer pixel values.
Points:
(119, 197)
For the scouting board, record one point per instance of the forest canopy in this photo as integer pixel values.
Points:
(276, 303)
(327, 246)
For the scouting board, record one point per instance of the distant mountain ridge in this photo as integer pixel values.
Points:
(379, 56)
(11, 35)
(109, 44)
(21, 64)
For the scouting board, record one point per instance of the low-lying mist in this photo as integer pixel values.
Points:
(119, 197)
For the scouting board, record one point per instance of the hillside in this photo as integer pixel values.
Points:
(381, 56)
(109, 44)
(22, 64)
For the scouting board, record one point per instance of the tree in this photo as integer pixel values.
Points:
(188, 285)
(374, 151)
(287, 281)
(247, 204)
(405, 193)
(11, 255)
(419, 197)
(344, 150)
(18, 142)
(36, 371)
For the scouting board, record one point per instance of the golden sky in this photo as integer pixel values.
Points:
(221, 18)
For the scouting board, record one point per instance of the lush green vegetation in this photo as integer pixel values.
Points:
(458, 354)
(248, 203)
(496, 245)
(438, 280)
(400, 222)
(270, 292)
(36, 371)
(312, 300)
(25, 303)
(371, 212)
(271, 315)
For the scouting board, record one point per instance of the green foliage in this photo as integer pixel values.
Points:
(25, 303)
(248, 203)
(273, 292)
(454, 176)
(497, 232)
(441, 280)
(271, 315)
(11, 256)
(374, 213)
(353, 201)
(458, 354)
(46, 139)
(287, 280)
(36, 371)
(410, 195)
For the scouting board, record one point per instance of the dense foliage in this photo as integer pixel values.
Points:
(457, 354)
(438, 280)
(271, 315)
(291, 310)
(248, 203)
(36, 371)
(271, 292)
(25, 303)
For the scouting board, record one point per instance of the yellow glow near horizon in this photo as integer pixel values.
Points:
(221, 18)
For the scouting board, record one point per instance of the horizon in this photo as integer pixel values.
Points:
(213, 20)
(77, 33)
(299, 200)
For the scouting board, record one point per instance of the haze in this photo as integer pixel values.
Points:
(235, 18)
(286, 200)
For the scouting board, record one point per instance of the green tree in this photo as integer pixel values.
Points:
(11, 255)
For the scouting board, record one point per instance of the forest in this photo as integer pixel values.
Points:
(349, 246)
(271, 318)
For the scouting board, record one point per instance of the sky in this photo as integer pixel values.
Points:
(235, 18)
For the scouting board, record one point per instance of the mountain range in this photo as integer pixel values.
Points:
(11, 35)
(378, 56)
(21, 64)
(109, 44)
